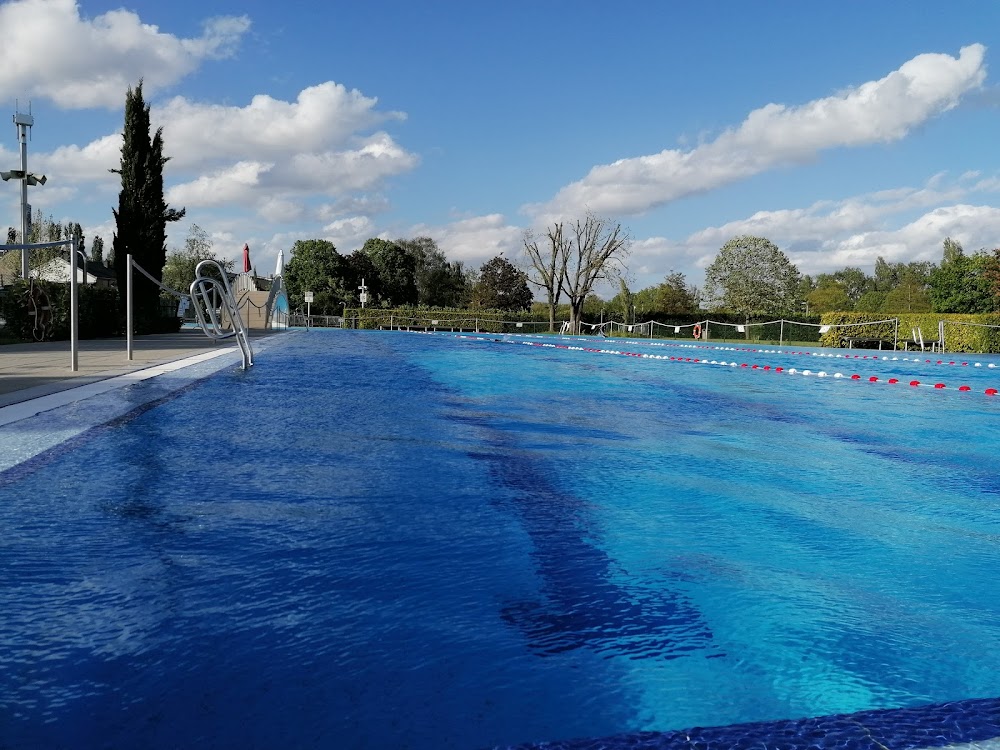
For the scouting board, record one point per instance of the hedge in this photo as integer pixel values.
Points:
(98, 312)
(485, 321)
(959, 336)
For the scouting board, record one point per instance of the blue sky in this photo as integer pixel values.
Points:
(841, 131)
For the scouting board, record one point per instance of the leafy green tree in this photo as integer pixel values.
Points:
(179, 268)
(961, 284)
(142, 214)
(853, 281)
(991, 272)
(360, 270)
(643, 304)
(675, 296)
(623, 304)
(829, 296)
(503, 286)
(952, 250)
(909, 296)
(593, 307)
(316, 266)
(871, 302)
(440, 282)
(395, 285)
(752, 277)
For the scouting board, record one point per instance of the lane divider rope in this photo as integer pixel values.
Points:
(743, 365)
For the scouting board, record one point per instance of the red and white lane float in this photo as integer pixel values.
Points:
(741, 365)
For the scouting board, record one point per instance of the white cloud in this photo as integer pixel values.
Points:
(775, 135)
(920, 240)
(323, 117)
(233, 184)
(901, 225)
(272, 153)
(51, 51)
(476, 239)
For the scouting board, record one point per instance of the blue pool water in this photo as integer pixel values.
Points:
(384, 539)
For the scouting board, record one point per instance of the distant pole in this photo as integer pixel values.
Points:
(24, 122)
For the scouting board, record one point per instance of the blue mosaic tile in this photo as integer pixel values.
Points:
(930, 726)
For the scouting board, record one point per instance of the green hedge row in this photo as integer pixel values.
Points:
(98, 311)
(485, 321)
(99, 315)
(962, 333)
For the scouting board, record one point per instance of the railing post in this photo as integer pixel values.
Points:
(128, 306)
(74, 309)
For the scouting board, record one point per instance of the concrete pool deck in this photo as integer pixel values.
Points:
(33, 370)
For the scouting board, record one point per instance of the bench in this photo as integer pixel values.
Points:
(866, 343)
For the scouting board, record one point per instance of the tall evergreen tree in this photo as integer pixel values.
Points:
(97, 249)
(142, 213)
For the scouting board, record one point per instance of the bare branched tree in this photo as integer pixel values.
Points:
(548, 266)
(594, 251)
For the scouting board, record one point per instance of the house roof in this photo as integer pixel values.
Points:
(10, 267)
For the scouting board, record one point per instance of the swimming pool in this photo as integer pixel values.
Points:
(387, 539)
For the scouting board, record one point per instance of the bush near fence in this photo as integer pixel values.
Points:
(495, 321)
(773, 331)
(98, 311)
(486, 321)
(958, 338)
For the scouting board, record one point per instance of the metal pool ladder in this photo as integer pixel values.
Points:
(211, 295)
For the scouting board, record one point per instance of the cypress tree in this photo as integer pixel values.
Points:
(142, 212)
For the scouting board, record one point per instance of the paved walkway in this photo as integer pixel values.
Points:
(28, 371)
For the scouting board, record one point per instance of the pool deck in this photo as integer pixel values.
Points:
(34, 370)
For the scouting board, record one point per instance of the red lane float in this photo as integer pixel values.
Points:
(745, 365)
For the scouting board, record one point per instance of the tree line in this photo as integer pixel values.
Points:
(750, 275)
(399, 273)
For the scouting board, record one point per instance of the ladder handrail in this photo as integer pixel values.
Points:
(201, 290)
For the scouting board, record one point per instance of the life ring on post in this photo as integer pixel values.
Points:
(696, 331)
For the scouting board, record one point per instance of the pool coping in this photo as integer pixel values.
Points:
(34, 405)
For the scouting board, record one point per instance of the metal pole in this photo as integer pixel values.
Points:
(22, 136)
(781, 333)
(128, 305)
(308, 314)
(74, 310)
(895, 335)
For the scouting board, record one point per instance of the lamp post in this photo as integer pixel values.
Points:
(24, 122)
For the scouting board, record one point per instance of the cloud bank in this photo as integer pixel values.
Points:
(777, 135)
(51, 51)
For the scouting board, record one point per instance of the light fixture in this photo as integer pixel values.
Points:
(17, 174)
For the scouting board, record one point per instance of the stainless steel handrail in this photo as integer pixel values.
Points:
(203, 289)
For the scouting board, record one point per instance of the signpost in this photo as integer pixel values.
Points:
(309, 299)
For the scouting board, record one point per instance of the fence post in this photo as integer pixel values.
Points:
(781, 333)
(128, 306)
(74, 308)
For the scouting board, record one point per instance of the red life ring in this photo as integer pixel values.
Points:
(696, 331)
